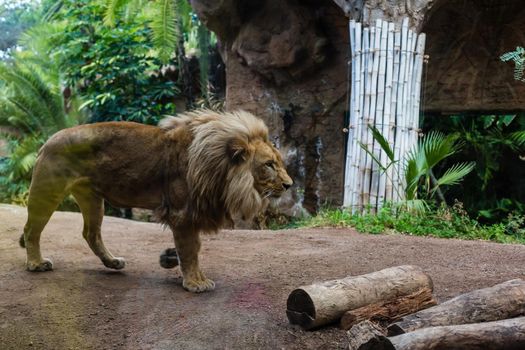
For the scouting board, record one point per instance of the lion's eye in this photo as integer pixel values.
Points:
(270, 164)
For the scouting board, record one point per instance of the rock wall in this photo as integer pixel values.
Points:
(286, 61)
(465, 39)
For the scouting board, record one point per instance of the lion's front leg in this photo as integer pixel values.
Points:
(188, 245)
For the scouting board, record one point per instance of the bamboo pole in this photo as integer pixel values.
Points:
(365, 185)
(365, 42)
(385, 127)
(347, 199)
(358, 111)
(407, 105)
(379, 115)
(399, 109)
(386, 69)
(418, 73)
(373, 111)
(391, 191)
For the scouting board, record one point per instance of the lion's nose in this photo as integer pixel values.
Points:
(287, 185)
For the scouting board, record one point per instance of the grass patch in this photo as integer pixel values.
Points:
(443, 222)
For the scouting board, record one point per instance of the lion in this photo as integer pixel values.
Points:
(197, 170)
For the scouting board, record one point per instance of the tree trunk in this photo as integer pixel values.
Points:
(498, 335)
(322, 303)
(386, 312)
(502, 301)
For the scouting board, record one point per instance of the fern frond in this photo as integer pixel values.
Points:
(518, 57)
(112, 9)
(164, 29)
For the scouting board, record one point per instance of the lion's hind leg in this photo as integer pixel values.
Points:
(169, 258)
(42, 204)
(92, 208)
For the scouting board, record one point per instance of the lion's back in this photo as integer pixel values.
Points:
(113, 157)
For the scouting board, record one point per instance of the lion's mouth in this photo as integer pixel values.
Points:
(272, 194)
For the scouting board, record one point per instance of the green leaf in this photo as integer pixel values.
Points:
(455, 174)
(506, 119)
(385, 146)
(112, 9)
(488, 120)
(372, 155)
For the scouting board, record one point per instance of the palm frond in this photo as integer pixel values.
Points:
(518, 138)
(438, 146)
(31, 103)
(415, 167)
(164, 29)
(455, 174)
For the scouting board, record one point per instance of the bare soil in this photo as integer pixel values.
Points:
(83, 305)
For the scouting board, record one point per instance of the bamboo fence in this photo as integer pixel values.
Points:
(387, 65)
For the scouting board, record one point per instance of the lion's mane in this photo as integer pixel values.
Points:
(219, 174)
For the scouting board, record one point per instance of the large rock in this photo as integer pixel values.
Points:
(286, 61)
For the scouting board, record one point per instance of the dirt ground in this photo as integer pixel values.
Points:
(83, 305)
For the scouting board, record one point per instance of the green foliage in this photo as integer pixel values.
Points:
(31, 110)
(518, 58)
(419, 164)
(164, 29)
(443, 222)
(494, 143)
(112, 68)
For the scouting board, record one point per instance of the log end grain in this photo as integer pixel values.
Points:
(300, 309)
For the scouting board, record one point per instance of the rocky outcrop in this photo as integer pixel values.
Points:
(286, 61)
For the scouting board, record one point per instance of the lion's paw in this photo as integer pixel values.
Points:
(198, 286)
(169, 258)
(116, 263)
(44, 265)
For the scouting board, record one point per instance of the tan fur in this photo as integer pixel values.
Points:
(197, 170)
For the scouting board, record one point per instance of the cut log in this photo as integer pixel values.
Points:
(389, 311)
(497, 335)
(322, 303)
(369, 334)
(502, 301)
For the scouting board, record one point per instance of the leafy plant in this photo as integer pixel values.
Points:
(114, 69)
(175, 28)
(31, 110)
(421, 183)
(494, 143)
(518, 57)
(442, 221)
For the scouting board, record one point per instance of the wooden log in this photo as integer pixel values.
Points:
(369, 334)
(323, 303)
(502, 301)
(506, 334)
(389, 311)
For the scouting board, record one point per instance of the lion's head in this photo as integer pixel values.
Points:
(233, 168)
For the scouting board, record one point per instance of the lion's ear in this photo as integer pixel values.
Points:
(237, 150)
